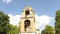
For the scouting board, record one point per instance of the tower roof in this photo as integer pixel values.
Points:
(28, 7)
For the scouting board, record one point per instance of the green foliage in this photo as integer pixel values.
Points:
(5, 27)
(57, 22)
(48, 30)
(14, 30)
(4, 23)
(43, 32)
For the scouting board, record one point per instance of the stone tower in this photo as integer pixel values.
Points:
(27, 21)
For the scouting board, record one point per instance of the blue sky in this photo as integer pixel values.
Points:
(41, 7)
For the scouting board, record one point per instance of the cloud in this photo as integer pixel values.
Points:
(14, 19)
(7, 1)
(41, 21)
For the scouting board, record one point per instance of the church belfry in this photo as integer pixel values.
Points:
(27, 21)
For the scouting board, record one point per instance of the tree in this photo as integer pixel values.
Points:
(14, 30)
(57, 22)
(48, 30)
(43, 32)
(4, 23)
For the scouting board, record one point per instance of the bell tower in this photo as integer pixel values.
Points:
(27, 21)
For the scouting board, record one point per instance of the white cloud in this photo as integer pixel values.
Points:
(7, 1)
(41, 21)
(14, 19)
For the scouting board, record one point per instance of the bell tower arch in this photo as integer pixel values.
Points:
(26, 25)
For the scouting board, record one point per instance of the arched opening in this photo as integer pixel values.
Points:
(27, 12)
(26, 24)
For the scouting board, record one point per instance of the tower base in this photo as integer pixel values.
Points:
(27, 33)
